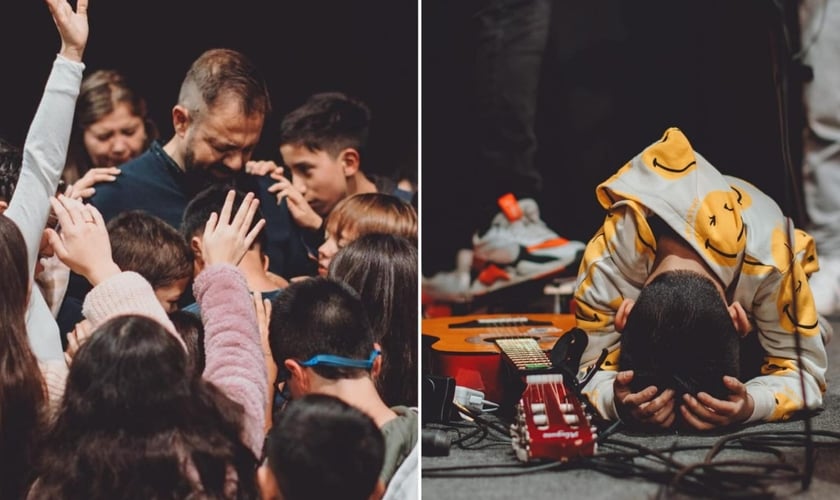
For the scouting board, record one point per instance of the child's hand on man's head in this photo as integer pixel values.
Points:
(226, 240)
(646, 407)
(705, 412)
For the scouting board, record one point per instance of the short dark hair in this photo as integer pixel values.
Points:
(322, 447)
(382, 268)
(147, 245)
(680, 335)
(205, 203)
(329, 121)
(224, 73)
(320, 316)
(11, 160)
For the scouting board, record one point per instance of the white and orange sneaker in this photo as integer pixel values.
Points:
(518, 247)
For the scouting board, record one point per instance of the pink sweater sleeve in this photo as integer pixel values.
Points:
(125, 293)
(234, 356)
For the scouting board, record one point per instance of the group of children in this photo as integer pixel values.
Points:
(137, 396)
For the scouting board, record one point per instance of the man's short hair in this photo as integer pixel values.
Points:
(322, 447)
(212, 200)
(680, 335)
(147, 245)
(224, 73)
(320, 316)
(10, 163)
(329, 121)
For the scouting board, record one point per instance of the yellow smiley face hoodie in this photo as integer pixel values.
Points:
(739, 232)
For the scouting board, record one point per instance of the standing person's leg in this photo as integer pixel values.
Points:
(821, 37)
(511, 39)
(514, 245)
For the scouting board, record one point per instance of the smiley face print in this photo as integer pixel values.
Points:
(719, 227)
(671, 157)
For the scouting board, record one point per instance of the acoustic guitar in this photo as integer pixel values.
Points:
(465, 348)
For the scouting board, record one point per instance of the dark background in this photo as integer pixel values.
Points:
(616, 74)
(365, 48)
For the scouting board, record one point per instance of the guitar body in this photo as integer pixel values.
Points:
(463, 347)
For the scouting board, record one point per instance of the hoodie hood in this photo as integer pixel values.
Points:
(676, 183)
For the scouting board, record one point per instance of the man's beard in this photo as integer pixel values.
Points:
(200, 178)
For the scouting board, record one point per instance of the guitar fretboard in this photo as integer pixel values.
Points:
(524, 353)
(508, 321)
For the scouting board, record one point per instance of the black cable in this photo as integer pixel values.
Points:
(781, 79)
(718, 479)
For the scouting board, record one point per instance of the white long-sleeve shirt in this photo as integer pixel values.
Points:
(44, 155)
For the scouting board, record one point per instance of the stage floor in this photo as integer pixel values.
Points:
(592, 485)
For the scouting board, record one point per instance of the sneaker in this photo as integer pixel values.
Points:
(518, 247)
(451, 286)
(825, 285)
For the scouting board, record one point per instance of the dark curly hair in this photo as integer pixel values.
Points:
(11, 159)
(135, 424)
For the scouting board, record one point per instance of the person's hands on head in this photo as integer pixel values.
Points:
(226, 239)
(72, 27)
(82, 243)
(299, 208)
(262, 167)
(646, 407)
(705, 412)
(83, 188)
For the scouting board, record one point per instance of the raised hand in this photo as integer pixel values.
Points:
(643, 407)
(226, 240)
(82, 243)
(299, 208)
(705, 412)
(72, 26)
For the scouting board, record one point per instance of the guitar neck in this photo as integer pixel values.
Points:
(524, 354)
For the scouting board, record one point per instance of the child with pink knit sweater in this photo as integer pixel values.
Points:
(134, 365)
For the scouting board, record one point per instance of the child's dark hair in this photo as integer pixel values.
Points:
(11, 160)
(329, 121)
(205, 203)
(322, 447)
(147, 245)
(191, 330)
(383, 269)
(680, 335)
(320, 316)
(135, 424)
